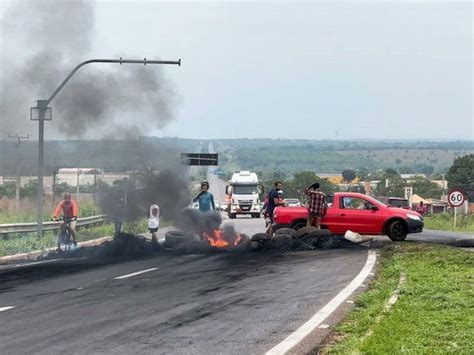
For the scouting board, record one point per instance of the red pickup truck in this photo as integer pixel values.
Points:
(356, 212)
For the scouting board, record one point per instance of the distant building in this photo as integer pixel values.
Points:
(84, 176)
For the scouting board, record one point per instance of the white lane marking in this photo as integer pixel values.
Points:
(6, 308)
(135, 273)
(299, 334)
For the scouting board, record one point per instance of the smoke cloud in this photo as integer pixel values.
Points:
(41, 42)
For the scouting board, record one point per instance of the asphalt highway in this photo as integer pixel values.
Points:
(195, 303)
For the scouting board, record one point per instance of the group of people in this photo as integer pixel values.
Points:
(69, 210)
(316, 204)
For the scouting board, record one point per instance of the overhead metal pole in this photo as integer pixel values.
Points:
(42, 107)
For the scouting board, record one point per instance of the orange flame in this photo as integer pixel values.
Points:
(216, 239)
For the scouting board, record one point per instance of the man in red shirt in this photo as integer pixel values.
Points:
(317, 202)
(68, 208)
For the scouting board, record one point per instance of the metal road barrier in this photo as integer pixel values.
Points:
(32, 227)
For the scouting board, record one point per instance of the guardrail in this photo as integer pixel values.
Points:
(31, 227)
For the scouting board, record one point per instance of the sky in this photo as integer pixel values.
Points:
(312, 70)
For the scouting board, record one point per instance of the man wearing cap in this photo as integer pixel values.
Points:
(205, 198)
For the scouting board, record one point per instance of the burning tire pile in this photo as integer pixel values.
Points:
(226, 239)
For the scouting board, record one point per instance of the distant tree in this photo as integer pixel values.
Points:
(362, 173)
(8, 189)
(304, 179)
(391, 186)
(424, 169)
(461, 175)
(398, 161)
(30, 190)
(63, 187)
(425, 188)
(406, 170)
(348, 175)
(391, 172)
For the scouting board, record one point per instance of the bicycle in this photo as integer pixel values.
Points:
(64, 237)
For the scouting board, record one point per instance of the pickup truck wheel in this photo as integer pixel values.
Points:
(232, 215)
(397, 231)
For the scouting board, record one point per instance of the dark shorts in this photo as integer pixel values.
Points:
(153, 230)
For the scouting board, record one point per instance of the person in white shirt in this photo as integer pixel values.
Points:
(154, 222)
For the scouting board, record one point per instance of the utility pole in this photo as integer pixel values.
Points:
(41, 112)
(78, 174)
(18, 171)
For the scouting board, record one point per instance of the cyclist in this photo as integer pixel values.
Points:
(68, 208)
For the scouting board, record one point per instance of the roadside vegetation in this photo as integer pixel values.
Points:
(15, 243)
(445, 222)
(432, 315)
(28, 242)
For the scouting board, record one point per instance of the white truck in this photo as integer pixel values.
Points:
(242, 195)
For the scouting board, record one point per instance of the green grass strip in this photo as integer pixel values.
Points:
(434, 313)
(28, 242)
(445, 222)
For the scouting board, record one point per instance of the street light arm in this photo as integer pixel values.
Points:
(120, 61)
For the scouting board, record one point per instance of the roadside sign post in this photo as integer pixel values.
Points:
(456, 199)
(409, 194)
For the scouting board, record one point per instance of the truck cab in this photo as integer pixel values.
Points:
(243, 195)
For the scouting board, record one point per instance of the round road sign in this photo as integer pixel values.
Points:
(456, 198)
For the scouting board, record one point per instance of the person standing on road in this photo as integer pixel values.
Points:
(421, 209)
(275, 199)
(69, 209)
(205, 198)
(154, 222)
(316, 208)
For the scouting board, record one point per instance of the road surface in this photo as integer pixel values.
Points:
(213, 303)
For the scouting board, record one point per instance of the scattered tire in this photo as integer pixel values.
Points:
(177, 237)
(319, 233)
(304, 231)
(397, 231)
(244, 243)
(283, 242)
(261, 237)
(289, 231)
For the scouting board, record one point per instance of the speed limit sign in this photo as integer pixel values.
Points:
(456, 198)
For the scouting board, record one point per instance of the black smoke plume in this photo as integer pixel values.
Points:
(41, 42)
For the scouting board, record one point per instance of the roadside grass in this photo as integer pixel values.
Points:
(27, 213)
(445, 222)
(17, 243)
(434, 313)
